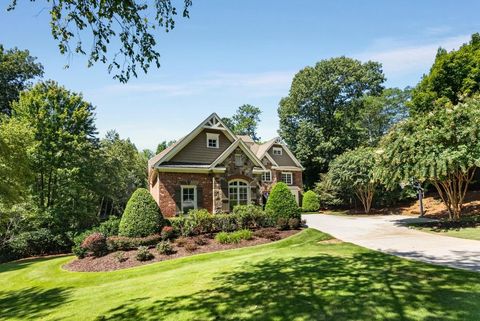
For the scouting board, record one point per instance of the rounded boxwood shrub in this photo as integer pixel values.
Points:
(310, 202)
(142, 216)
(281, 203)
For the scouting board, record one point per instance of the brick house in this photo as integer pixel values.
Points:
(215, 169)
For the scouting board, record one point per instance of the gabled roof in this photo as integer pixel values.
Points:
(256, 152)
(211, 122)
(238, 143)
(265, 147)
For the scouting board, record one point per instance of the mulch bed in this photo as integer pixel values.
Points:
(110, 263)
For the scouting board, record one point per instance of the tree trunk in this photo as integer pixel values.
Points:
(452, 191)
(365, 194)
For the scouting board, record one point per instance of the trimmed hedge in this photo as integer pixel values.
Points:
(202, 222)
(142, 216)
(281, 203)
(310, 202)
(116, 243)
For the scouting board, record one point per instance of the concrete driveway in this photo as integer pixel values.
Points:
(388, 234)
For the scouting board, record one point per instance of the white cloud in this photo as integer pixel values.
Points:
(255, 84)
(405, 58)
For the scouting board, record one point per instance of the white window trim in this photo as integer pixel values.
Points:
(277, 151)
(291, 177)
(249, 191)
(270, 175)
(213, 136)
(195, 201)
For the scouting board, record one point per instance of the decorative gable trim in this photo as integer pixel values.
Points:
(211, 122)
(279, 141)
(231, 149)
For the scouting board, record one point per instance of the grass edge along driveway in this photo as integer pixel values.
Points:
(304, 277)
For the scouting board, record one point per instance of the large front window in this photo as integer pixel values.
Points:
(238, 193)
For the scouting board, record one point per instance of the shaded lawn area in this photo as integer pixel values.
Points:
(467, 228)
(471, 233)
(299, 278)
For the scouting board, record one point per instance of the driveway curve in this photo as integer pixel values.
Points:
(388, 234)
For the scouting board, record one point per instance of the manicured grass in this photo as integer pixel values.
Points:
(299, 278)
(472, 233)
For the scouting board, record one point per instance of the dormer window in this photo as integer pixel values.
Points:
(212, 140)
(277, 151)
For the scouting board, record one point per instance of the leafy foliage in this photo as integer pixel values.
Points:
(441, 147)
(321, 116)
(130, 22)
(245, 121)
(63, 158)
(165, 247)
(380, 113)
(95, 243)
(310, 202)
(123, 170)
(201, 222)
(164, 145)
(17, 69)
(233, 237)
(454, 75)
(281, 203)
(329, 195)
(16, 145)
(142, 216)
(143, 254)
(355, 171)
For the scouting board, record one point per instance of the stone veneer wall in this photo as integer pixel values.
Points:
(245, 172)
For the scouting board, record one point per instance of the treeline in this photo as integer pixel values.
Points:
(57, 177)
(362, 142)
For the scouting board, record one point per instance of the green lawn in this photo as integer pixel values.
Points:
(294, 279)
(472, 233)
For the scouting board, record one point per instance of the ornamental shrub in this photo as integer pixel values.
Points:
(143, 254)
(233, 237)
(116, 243)
(281, 203)
(109, 227)
(251, 217)
(142, 216)
(167, 232)
(96, 243)
(310, 202)
(165, 247)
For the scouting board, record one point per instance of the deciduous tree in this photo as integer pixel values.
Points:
(17, 69)
(354, 171)
(95, 28)
(319, 119)
(441, 147)
(453, 76)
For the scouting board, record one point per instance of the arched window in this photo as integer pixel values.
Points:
(238, 193)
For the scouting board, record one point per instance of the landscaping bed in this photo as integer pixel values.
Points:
(198, 244)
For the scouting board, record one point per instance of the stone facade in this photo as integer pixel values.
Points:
(233, 172)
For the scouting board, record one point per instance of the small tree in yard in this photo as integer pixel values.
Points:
(310, 202)
(441, 147)
(281, 202)
(354, 171)
(142, 216)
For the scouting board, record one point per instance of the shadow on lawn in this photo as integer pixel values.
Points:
(365, 286)
(31, 303)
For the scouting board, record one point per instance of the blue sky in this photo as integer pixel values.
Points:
(234, 52)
